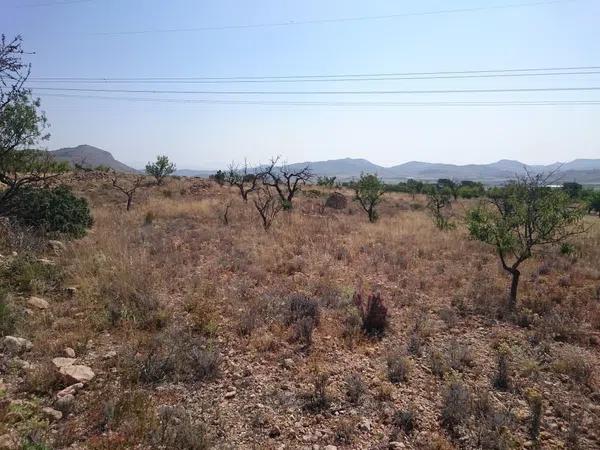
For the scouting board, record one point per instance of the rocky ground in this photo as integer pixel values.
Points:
(165, 327)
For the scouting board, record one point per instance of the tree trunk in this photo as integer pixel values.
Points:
(514, 285)
(128, 202)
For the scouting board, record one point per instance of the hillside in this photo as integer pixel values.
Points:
(90, 157)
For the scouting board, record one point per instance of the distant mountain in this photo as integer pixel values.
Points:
(580, 170)
(90, 157)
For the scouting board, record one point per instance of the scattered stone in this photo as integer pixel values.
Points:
(57, 246)
(61, 362)
(395, 445)
(8, 442)
(37, 302)
(70, 390)
(16, 345)
(230, 394)
(109, 355)
(65, 403)
(70, 352)
(71, 290)
(288, 363)
(52, 413)
(330, 447)
(365, 425)
(77, 373)
(20, 363)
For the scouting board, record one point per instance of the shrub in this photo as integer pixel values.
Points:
(355, 388)
(575, 365)
(405, 420)
(54, 210)
(456, 404)
(318, 399)
(303, 330)
(501, 378)
(26, 274)
(176, 430)
(8, 316)
(399, 367)
(301, 307)
(438, 363)
(373, 313)
(535, 402)
(459, 356)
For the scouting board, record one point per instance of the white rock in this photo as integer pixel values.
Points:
(16, 345)
(70, 390)
(330, 447)
(37, 302)
(77, 373)
(63, 362)
(52, 413)
(70, 352)
(57, 246)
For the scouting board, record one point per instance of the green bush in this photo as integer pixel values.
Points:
(54, 210)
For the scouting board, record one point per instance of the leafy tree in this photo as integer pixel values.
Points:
(449, 185)
(368, 191)
(594, 202)
(414, 187)
(573, 189)
(54, 210)
(219, 176)
(160, 169)
(326, 181)
(438, 199)
(22, 126)
(521, 216)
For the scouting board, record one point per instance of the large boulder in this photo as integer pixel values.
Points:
(16, 345)
(337, 200)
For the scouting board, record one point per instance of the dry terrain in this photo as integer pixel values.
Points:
(199, 333)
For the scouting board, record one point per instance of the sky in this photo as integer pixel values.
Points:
(132, 39)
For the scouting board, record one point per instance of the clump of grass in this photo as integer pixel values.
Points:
(8, 315)
(536, 408)
(404, 420)
(576, 366)
(399, 367)
(26, 274)
(456, 404)
(318, 399)
(355, 388)
(501, 377)
(176, 430)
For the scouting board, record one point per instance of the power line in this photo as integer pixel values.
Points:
(297, 80)
(373, 92)
(455, 72)
(56, 3)
(328, 103)
(337, 20)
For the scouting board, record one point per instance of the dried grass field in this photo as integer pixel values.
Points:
(206, 334)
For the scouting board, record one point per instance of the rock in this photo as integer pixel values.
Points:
(56, 246)
(395, 445)
(365, 425)
(16, 345)
(70, 390)
(20, 363)
(46, 261)
(70, 352)
(109, 355)
(52, 413)
(65, 403)
(77, 373)
(336, 200)
(61, 362)
(9, 442)
(230, 394)
(37, 302)
(330, 447)
(71, 290)
(288, 363)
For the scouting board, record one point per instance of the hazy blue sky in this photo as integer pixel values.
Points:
(70, 40)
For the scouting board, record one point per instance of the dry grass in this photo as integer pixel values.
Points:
(171, 264)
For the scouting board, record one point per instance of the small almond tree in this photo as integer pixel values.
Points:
(521, 216)
(368, 192)
(438, 200)
(243, 179)
(267, 205)
(286, 180)
(127, 187)
(160, 169)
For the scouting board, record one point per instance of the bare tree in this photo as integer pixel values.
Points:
(127, 188)
(267, 205)
(285, 180)
(245, 181)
